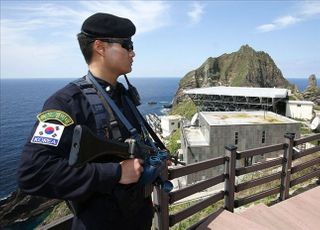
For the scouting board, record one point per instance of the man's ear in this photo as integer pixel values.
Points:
(98, 47)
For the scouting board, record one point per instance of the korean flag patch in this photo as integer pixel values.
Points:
(47, 134)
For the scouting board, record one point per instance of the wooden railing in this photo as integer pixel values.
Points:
(162, 200)
(164, 219)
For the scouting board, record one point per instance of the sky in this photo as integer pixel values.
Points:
(38, 38)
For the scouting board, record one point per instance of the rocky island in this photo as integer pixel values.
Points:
(243, 68)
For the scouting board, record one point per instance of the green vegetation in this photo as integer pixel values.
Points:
(188, 78)
(296, 97)
(172, 143)
(272, 119)
(304, 129)
(317, 107)
(240, 78)
(186, 109)
(59, 211)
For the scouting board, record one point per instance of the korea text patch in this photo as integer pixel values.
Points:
(47, 134)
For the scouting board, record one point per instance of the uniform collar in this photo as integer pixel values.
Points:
(106, 85)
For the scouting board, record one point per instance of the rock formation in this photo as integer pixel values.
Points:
(312, 92)
(19, 206)
(246, 67)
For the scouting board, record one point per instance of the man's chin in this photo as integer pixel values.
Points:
(128, 71)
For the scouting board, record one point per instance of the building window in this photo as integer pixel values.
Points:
(236, 138)
(298, 105)
(263, 139)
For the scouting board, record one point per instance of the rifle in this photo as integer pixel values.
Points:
(87, 147)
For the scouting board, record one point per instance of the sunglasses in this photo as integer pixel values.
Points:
(125, 43)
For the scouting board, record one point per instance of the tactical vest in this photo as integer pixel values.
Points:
(102, 113)
(104, 116)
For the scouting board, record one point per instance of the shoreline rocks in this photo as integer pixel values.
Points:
(19, 206)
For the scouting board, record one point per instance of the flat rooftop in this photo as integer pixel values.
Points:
(194, 136)
(171, 117)
(243, 117)
(301, 102)
(240, 91)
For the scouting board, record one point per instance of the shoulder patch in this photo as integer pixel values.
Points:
(47, 134)
(56, 115)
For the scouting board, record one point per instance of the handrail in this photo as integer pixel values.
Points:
(258, 166)
(256, 182)
(305, 177)
(184, 192)
(306, 139)
(281, 161)
(306, 152)
(305, 165)
(256, 197)
(175, 218)
(261, 150)
(195, 167)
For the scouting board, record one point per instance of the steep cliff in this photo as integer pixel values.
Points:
(246, 67)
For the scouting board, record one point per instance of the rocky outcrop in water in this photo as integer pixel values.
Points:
(312, 92)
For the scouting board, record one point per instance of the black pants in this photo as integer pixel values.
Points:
(105, 214)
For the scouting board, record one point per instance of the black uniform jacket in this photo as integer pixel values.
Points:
(99, 200)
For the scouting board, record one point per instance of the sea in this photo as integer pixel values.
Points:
(22, 99)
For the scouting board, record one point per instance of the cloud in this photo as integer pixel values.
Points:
(310, 9)
(39, 34)
(266, 27)
(196, 12)
(146, 15)
(279, 23)
(286, 21)
(305, 11)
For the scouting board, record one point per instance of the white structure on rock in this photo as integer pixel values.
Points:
(300, 109)
(169, 124)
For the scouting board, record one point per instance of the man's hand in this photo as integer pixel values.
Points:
(131, 170)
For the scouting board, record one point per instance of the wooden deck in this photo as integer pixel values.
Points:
(296, 213)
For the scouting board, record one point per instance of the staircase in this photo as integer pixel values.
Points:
(299, 212)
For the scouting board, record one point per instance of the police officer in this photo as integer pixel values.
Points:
(99, 193)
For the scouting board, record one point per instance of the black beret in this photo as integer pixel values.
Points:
(102, 25)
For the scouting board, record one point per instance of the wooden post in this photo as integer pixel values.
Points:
(161, 204)
(286, 166)
(230, 171)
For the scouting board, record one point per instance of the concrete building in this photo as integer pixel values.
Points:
(246, 130)
(300, 109)
(223, 98)
(169, 124)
